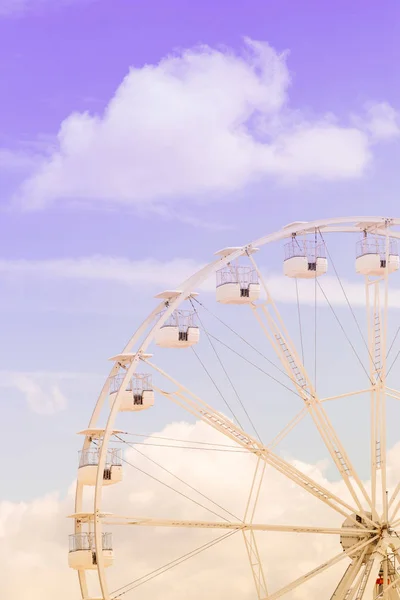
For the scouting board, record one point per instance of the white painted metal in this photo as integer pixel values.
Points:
(272, 324)
(379, 526)
(348, 582)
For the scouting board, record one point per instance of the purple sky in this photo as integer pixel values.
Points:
(56, 60)
(61, 58)
(136, 139)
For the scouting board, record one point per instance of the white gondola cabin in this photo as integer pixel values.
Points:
(372, 254)
(237, 284)
(138, 395)
(82, 550)
(179, 330)
(88, 466)
(304, 259)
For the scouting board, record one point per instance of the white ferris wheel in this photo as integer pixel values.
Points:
(368, 530)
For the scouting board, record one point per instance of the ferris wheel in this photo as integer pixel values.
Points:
(368, 534)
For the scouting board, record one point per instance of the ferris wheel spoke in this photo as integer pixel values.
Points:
(255, 564)
(348, 583)
(201, 410)
(129, 587)
(317, 571)
(108, 519)
(377, 317)
(249, 537)
(392, 501)
(274, 328)
(346, 395)
(288, 428)
(393, 393)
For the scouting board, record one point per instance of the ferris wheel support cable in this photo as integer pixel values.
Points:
(394, 362)
(145, 334)
(178, 478)
(170, 487)
(346, 297)
(344, 291)
(167, 567)
(231, 450)
(393, 341)
(157, 437)
(243, 339)
(198, 408)
(286, 351)
(226, 375)
(299, 319)
(344, 332)
(291, 390)
(235, 418)
(223, 425)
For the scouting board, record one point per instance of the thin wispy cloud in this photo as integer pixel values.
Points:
(156, 274)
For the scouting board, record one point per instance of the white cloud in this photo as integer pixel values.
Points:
(33, 536)
(104, 268)
(160, 275)
(197, 125)
(382, 121)
(41, 391)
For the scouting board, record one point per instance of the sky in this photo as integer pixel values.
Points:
(137, 139)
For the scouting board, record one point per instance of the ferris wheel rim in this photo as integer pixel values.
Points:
(330, 225)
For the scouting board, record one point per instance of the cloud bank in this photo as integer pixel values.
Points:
(34, 535)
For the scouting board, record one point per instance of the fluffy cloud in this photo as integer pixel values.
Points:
(198, 125)
(34, 535)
